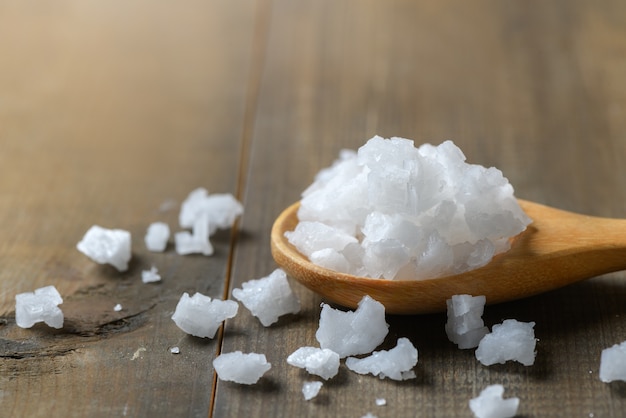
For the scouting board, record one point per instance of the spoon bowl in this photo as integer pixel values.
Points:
(557, 249)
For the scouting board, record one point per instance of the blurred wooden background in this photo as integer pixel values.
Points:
(109, 109)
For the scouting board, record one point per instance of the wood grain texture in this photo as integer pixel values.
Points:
(109, 109)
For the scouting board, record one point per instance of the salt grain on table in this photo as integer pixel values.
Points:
(268, 298)
(490, 404)
(107, 246)
(39, 306)
(318, 361)
(241, 368)
(613, 363)
(396, 364)
(311, 389)
(511, 340)
(150, 276)
(352, 333)
(465, 326)
(201, 316)
(157, 235)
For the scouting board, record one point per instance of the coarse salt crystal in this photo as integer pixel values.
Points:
(175, 350)
(311, 389)
(39, 306)
(353, 332)
(268, 298)
(490, 403)
(613, 363)
(156, 236)
(241, 368)
(107, 246)
(318, 361)
(117, 308)
(201, 316)
(465, 326)
(414, 212)
(381, 401)
(150, 276)
(511, 340)
(396, 364)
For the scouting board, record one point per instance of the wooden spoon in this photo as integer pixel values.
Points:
(557, 249)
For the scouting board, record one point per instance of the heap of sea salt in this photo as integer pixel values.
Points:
(150, 276)
(318, 361)
(157, 235)
(107, 246)
(396, 364)
(241, 368)
(352, 333)
(465, 326)
(201, 316)
(490, 404)
(39, 306)
(613, 363)
(269, 297)
(394, 211)
(311, 389)
(511, 340)
(204, 214)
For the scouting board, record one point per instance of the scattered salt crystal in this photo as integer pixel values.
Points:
(222, 209)
(175, 350)
(511, 340)
(369, 415)
(117, 308)
(201, 316)
(39, 306)
(465, 326)
(318, 361)
(490, 404)
(352, 333)
(396, 364)
(311, 389)
(269, 297)
(613, 363)
(241, 368)
(413, 212)
(196, 242)
(150, 276)
(107, 246)
(157, 235)
(381, 401)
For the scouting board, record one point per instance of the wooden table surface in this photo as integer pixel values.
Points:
(111, 111)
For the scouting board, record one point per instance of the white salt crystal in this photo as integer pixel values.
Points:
(416, 212)
(107, 246)
(396, 364)
(39, 306)
(241, 368)
(196, 242)
(150, 276)
(318, 361)
(352, 333)
(269, 297)
(490, 404)
(369, 415)
(311, 389)
(157, 235)
(201, 316)
(175, 350)
(381, 401)
(613, 363)
(222, 209)
(465, 326)
(511, 340)
(117, 308)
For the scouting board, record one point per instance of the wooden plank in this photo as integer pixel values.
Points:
(534, 88)
(107, 111)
